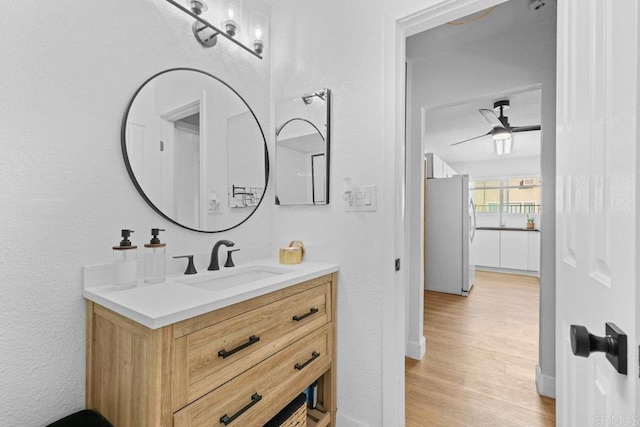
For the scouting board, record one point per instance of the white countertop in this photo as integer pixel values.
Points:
(161, 304)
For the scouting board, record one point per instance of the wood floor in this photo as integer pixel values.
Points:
(479, 369)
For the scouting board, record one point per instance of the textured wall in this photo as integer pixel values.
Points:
(68, 71)
(316, 44)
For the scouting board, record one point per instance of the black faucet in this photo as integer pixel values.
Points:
(214, 264)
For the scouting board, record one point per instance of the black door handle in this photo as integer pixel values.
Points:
(614, 344)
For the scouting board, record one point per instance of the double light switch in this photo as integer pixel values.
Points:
(361, 198)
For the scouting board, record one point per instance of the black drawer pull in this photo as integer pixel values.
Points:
(314, 356)
(304, 316)
(252, 340)
(226, 420)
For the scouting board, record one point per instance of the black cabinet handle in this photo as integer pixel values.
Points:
(226, 420)
(613, 344)
(314, 356)
(304, 316)
(252, 340)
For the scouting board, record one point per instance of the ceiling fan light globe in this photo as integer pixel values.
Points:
(500, 134)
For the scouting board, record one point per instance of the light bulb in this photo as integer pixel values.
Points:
(233, 9)
(503, 145)
(507, 145)
(258, 22)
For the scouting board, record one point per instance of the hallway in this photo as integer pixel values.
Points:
(482, 350)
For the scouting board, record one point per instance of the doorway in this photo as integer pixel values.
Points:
(186, 157)
(502, 81)
(182, 132)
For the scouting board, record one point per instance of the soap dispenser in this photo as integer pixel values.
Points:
(154, 258)
(125, 263)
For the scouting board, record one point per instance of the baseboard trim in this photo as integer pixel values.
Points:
(346, 421)
(545, 384)
(508, 271)
(416, 350)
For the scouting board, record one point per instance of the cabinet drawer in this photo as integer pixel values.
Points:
(208, 358)
(252, 398)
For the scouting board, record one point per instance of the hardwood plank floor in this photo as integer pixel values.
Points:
(482, 350)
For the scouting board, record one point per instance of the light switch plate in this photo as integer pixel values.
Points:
(361, 199)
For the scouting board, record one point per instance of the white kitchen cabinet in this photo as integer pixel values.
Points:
(485, 249)
(435, 167)
(514, 247)
(506, 249)
(533, 261)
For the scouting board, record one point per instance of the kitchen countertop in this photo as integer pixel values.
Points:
(508, 228)
(161, 304)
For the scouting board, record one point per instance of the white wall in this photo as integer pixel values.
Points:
(244, 167)
(318, 44)
(517, 166)
(64, 189)
(523, 59)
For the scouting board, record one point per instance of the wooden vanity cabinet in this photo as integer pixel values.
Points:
(250, 358)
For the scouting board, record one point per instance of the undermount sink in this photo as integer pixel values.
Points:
(228, 278)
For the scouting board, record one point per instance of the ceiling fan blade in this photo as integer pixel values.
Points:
(525, 128)
(491, 117)
(471, 139)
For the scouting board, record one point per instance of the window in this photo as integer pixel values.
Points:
(513, 195)
(487, 196)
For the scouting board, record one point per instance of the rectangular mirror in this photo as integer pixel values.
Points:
(302, 149)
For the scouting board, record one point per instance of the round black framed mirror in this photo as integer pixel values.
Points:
(195, 150)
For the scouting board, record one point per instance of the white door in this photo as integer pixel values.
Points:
(597, 196)
(186, 176)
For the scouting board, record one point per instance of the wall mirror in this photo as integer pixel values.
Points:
(195, 151)
(302, 149)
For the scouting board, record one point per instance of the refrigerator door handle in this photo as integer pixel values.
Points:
(473, 228)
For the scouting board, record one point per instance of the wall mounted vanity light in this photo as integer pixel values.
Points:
(259, 23)
(207, 34)
(307, 98)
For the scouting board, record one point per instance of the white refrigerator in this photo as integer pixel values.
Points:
(450, 223)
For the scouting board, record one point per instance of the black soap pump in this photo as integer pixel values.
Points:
(154, 258)
(125, 262)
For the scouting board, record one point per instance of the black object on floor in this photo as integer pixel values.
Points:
(84, 418)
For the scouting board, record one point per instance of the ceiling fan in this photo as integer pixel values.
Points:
(501, 129)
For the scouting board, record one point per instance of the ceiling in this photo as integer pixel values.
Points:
(503, 19)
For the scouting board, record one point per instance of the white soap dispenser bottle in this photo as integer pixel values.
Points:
(154, 258)
(125, 263)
